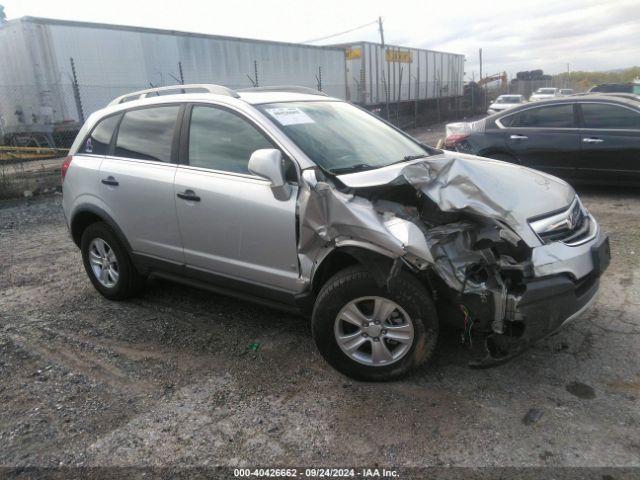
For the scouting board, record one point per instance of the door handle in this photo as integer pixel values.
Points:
(592, 140)
(519, 137)
(110, 181)
(188, 195)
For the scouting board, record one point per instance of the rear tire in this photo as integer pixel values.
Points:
(107, 263)
(410, 317)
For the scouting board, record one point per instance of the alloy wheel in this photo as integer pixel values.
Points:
(104, 263)
(374, 331)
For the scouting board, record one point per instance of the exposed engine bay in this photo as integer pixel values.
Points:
(463, 228)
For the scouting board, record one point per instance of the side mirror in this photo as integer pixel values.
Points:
(267, 163)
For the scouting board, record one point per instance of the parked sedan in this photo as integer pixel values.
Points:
(504, 102)
(612, 88)
(591, 138)
(543, 94)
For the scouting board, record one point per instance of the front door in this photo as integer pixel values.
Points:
(545, 138)
(231, 224)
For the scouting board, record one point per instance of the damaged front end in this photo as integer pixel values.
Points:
(461, 224)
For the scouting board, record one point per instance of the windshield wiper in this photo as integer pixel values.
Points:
(412, 157)
(359, 167)
(408, 158)
(352, 168)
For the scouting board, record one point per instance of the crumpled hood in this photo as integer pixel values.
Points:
(491, 188)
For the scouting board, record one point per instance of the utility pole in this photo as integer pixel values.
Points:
(381, 31)
(480, 64)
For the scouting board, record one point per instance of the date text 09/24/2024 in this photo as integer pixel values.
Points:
(315, 472)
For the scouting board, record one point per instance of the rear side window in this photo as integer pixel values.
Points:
(506, 121)
(596, 115)
(97, 143)
(552, 116)
(147, 134)
(221, 140)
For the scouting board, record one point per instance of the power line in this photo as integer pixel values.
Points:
(340, 33)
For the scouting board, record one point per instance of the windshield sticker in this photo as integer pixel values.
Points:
(289, 115)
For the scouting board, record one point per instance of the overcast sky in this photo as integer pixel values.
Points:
(514, 35)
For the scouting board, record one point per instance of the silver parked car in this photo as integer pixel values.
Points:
(304, 202)
(544, 94)
(505, 102)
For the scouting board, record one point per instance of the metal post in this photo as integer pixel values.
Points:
(399, 95)
(472, 87)
(386, 94)
(76, 92)
(255, 71)
(438, 83)
(362, 94)
(415, 112)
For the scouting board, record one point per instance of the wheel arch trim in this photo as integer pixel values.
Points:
(375, 259)
(88, 208)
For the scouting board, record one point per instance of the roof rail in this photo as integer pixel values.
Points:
(190, 88)
(284, 88)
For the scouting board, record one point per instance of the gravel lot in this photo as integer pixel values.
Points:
(170, 378)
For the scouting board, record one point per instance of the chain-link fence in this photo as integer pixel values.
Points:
(527, 87)
(31, 116)
(51, 118)
(37, 126)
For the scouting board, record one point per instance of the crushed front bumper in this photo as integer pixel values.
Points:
(547, 304)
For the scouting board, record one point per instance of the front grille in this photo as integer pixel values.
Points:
(568, 233)
(569, 226)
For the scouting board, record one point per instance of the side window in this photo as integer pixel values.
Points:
(507, 120)
(552, 116)
(147, 133)
(609, 116)
(98, 141)
(221, 140)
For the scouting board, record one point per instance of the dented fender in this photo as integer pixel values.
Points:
(464, 219)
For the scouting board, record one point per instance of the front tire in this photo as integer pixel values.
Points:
(374, 333)
(107, 263)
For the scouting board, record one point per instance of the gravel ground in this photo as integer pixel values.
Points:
(170, 378)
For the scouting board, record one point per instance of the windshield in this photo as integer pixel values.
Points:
(508, 99)
(342, 138)
(547, 91)
(566, 90)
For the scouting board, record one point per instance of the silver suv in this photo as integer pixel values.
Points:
(303, 202)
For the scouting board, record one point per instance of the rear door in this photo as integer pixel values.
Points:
(232, 226)
(137, 181)
(609, 143)
(545, 138)
(88, 159)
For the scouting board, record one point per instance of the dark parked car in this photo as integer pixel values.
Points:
(590, 139)
(612, 88)
(628, 96)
